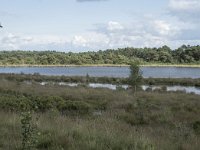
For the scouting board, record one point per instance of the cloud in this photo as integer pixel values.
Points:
(118, 35)
(10, 41)
(141, 33)
(153, 30)
(90, 0)
(145, 32)
(85, 42)
(90, 41)
(179, 26)
(187, 14)
(185, 5)
(162, 27)
(114, 26)
(185, 10)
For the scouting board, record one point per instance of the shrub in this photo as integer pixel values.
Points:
(76, 106)
(29, 131)
(196, 127)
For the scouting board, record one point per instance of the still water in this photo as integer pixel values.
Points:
(185, 89)
(154, 72)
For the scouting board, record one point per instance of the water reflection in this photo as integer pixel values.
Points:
(186, 89)
(109, 86)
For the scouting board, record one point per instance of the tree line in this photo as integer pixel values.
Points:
(182, 55)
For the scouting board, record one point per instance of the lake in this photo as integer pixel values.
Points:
(154, 72)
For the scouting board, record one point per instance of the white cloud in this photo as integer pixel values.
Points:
(147, 32)
(85, 42)
(162, 27)
(187, 13)
(90, 41)
(113, 26)
(185, 5)
(123, 36)
(179, 26)
(79, 41)
(151, 33)
(186, 10)
(10, 41)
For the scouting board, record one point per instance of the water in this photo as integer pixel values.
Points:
(186, 89)
(154, 72)
(109, 86)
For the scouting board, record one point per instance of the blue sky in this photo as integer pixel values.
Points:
(83, 25)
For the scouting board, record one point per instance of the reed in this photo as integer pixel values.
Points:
(86, 118)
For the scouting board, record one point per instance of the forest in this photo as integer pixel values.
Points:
(162, 55)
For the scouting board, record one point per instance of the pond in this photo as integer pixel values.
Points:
(185, 89)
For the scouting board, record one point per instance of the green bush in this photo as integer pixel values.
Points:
(135, 119)
(196, 127)
(75, 106)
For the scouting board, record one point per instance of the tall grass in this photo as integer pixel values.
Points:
(111, 80)
(86, 118)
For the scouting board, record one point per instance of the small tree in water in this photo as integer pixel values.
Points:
(135, 78)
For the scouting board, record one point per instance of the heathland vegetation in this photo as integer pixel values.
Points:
(163, 55)
(85, 118)
(58, 117)
(87, 79)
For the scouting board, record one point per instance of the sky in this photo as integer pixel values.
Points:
(91, 25)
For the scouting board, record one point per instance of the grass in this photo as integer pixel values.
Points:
(59, 132)
(86, 79)
(100, 119)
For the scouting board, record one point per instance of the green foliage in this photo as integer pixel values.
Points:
(196, 127)
(29, 131)
(136, 119)
(100, 119)
(135, 77)
(184, 54)
(77, 106)
(35, 78)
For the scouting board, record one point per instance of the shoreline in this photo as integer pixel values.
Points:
(107, 65)
(108, 80)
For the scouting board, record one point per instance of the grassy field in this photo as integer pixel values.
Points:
(85, 118)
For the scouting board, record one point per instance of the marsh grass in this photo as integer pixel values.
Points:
(86, 118)
(87, 79)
